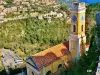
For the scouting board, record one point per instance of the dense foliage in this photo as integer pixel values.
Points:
(90, 19)
(15, 35)
(92, 10)
(64, 7)
(9, 3)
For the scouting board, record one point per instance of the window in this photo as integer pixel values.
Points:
(74, 28)
(48, 73)
(32, 73)
(82, 28)
(59, 66)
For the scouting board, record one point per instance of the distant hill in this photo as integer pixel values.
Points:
(69, 2)
(65, 1)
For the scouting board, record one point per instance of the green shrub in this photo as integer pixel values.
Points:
(23, 33)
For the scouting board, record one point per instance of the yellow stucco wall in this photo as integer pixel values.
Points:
(73, 48)
(41, 72)
(67, 59)
(78, 32)
(56, 64)
(74, 23)
(53, 67)
(30, 72)
(80, 23)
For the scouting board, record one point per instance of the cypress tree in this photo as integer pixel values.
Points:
(98, 30)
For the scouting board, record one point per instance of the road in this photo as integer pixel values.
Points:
(27, 16)
(17, 18)
(8, 58)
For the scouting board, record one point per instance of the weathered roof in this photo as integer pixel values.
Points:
(50, 55)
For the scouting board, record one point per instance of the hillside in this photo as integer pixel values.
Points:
(32, 35)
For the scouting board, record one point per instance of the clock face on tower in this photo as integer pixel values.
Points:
(82, 18)
(74, 18)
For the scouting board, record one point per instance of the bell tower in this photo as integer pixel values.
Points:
(77, 37)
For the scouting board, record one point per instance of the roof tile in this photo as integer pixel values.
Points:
(50, 55)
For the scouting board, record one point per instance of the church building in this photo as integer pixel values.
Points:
(49, 61)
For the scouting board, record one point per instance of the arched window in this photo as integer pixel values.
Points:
(48, 73)
(59, 66)
(74, 28)
(82, 28)
(32, 73)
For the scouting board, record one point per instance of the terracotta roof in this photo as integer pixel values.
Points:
(45, 60)
(46, 57)
(50, 55)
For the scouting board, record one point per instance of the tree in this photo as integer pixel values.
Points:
(9, 3)
(64, 7)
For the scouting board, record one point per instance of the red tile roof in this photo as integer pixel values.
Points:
(45, 60)
(50, 55)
